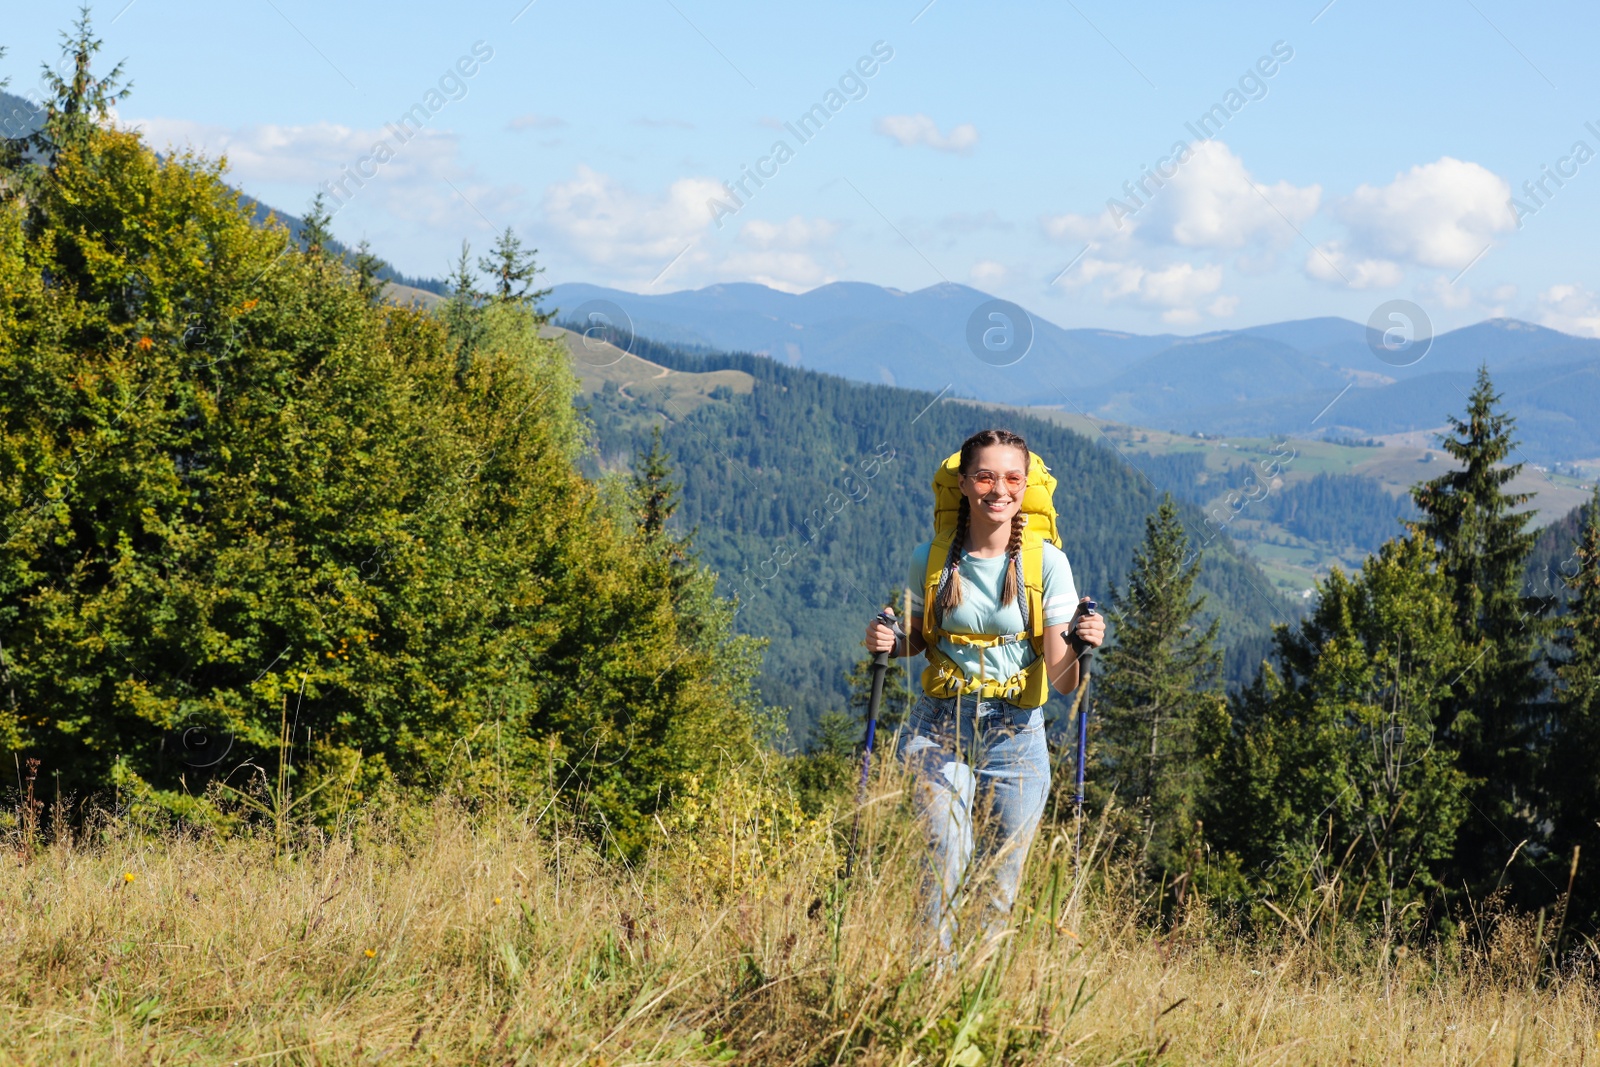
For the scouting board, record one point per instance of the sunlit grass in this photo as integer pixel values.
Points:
(486, 933)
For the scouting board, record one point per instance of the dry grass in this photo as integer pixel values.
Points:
(443, 936)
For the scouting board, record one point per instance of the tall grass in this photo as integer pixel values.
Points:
(483, 932)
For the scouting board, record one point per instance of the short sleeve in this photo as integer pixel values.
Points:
(918, 575)
(1060, 591)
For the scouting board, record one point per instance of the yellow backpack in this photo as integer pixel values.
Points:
(1030, 686)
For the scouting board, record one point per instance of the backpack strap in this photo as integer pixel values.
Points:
(1032, 560)
(943, 677)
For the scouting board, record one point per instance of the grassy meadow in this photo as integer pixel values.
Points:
(475, 931)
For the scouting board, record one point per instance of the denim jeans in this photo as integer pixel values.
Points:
(981, 779)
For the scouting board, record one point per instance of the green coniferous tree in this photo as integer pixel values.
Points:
(1161, 710)
(462, 313)
(315, 231)
(429, 563)
(829, 764)
(652, 481)
(367, 265)
(512, 272)
(1575, 756)
(1333, 781)
(79, 102)
(1493, 719)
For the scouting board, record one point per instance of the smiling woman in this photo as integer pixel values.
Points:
(996, 600)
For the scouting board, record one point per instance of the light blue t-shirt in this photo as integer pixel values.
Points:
(981, 612)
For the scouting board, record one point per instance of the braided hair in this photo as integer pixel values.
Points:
(949, 595)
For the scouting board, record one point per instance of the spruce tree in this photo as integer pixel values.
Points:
(829, 765)
(1333, 784)
(1575, 757)
(1493, 719)
(512, 271)
(367, 265)
(315, 231)
(462, 313)
(80, 101)
(652, 482)
(1160, 706)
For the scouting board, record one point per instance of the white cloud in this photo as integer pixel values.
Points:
(1180, 283)
(625, 237)
(609, 225)
(794, 232)
(781, 254)
(1440, 214)
(1570, 309)
(1213, 202)
(1177, 288)
(1439, 291)
(911, 130)
(988, 272)
(1331, 263)
(1071, 229)
(308, 155)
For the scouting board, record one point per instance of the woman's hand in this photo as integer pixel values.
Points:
(1091, 629)
(880, 638)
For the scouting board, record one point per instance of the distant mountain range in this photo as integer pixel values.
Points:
(1278, 378)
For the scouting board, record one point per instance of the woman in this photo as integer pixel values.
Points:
(986, 757)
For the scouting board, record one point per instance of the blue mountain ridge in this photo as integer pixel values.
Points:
(1267, 379)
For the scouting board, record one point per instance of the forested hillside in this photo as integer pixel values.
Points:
(1554, 557)
(808, 494)
(1343, 510)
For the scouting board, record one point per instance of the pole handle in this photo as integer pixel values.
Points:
(880, 667)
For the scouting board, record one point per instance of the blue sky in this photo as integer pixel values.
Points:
(1376, 162)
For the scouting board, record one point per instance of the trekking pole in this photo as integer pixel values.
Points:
(1085, 658)
(880, 667)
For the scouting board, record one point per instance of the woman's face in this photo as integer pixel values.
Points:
(994, 482)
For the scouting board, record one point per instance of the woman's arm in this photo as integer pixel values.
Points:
(1060, 659)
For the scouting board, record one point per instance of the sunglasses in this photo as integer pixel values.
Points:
(983, 481)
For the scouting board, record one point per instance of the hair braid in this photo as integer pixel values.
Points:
(1019, 522)
(950, 584)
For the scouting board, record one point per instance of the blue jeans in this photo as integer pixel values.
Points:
(981, 779)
